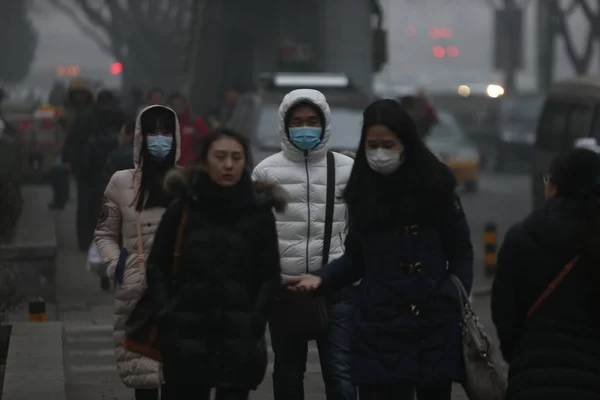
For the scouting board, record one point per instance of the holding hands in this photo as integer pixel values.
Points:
(303, 283)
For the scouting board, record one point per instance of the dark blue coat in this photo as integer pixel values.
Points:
(407, 314)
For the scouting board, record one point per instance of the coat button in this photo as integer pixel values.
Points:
(149, 224)
(414, 309)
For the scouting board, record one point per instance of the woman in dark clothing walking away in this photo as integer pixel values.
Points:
(407, 234)
(554, 349)
(213, 311)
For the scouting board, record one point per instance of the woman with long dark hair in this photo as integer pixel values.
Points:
(134, 203)
(214, 300)
(407, 235)
(546, 292)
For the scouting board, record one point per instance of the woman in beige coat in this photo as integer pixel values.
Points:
(133, 207)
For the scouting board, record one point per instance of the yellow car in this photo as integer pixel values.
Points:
(450, 143)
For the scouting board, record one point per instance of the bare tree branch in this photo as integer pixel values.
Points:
(94, 15)
(580, 62)
(85, 28)
(591, 16)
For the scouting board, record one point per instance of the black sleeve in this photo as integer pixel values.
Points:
(160, 261)
(77, 137)
(505, 298)
(69, 147)
(269, 266)
(456, 242)
(345, 270)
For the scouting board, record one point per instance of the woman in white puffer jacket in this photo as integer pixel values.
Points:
(134, 203)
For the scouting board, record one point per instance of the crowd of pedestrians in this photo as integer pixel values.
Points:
(366, 254)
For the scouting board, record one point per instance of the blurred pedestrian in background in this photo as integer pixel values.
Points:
(192, 127)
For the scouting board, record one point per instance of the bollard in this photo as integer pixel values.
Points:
(37, 310)
(490, 243)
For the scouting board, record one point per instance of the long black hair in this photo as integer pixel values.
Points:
(151, 192)
(421, 173)
(576, 176)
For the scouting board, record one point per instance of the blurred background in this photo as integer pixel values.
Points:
(496, 87)
(136, 42)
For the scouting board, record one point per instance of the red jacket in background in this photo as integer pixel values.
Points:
(191, 129)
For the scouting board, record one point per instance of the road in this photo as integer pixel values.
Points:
(87, 312)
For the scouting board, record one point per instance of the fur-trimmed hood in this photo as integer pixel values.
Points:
(178, 180)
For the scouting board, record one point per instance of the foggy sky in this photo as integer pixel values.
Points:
(61, 42)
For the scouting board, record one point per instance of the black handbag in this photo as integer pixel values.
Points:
(304, 315)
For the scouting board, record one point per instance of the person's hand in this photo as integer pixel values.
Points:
(303, 283)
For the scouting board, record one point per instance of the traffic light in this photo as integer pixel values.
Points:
(452, 51)
(116, 68)
(438, 52)
(441, 33)
(442, 52)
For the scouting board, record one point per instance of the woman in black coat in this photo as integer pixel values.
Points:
(407, 235)
(554, 353)
(213, 309)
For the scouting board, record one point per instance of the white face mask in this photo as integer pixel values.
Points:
(384, 161)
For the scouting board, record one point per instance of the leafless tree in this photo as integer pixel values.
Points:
(147, 36)
(579, 60)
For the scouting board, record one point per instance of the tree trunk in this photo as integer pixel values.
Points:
(206, 91)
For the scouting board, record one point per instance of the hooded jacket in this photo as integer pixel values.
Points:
(302, 226)
(118, 219)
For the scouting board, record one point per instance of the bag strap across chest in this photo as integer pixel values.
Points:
(329, 203)
(553, 285)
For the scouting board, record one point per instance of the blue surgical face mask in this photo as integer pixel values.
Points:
(159, 146)
(306, 137)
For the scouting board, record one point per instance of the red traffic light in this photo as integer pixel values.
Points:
(452, 51)
(441, 33)
(438, 52)
(116, 68)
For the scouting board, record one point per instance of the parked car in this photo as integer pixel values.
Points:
(571, 112)
(513, 126)
(449, 141)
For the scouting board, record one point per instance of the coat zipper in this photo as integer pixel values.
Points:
(308, 211)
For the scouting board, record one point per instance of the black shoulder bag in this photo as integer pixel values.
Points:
(304, 315)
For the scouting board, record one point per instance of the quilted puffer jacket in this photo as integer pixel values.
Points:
(301, 226)
(119, 218)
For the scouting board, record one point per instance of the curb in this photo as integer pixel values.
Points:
(35, 365)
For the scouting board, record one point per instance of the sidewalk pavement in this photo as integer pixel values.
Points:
(34, 366)
(32, 254)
